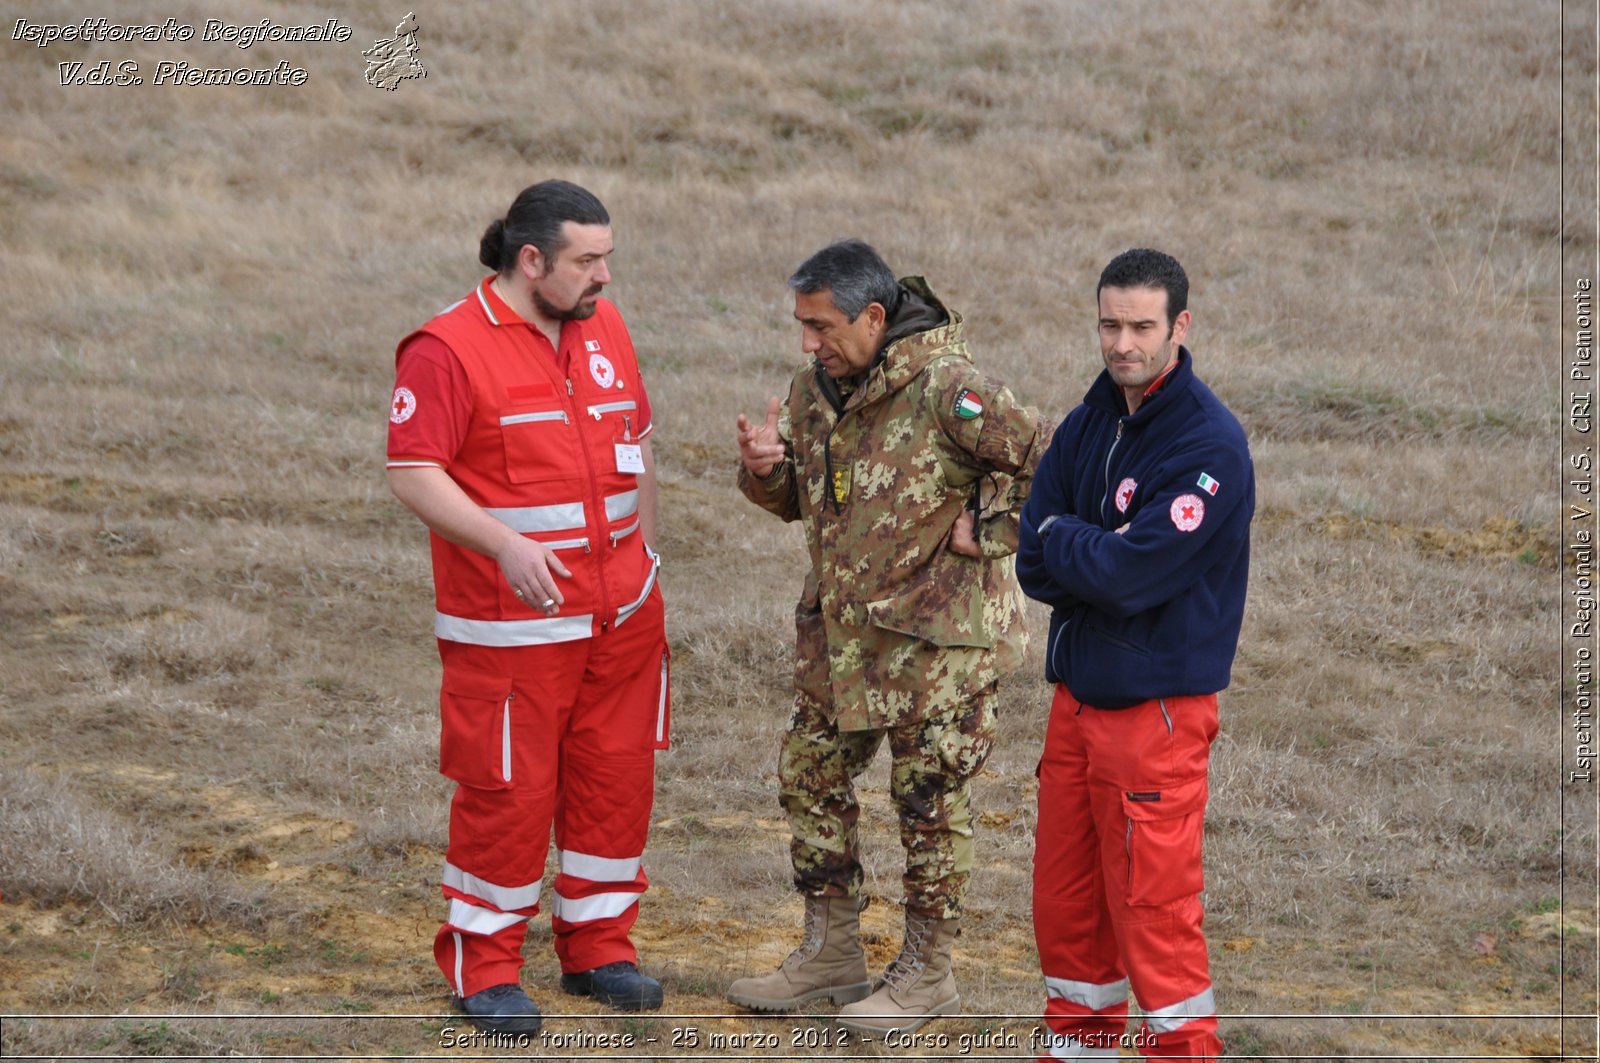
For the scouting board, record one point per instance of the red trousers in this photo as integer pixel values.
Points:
(560, 735)
(1117, 877)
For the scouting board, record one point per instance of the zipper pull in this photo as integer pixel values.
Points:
(594, 412)
(569, 388)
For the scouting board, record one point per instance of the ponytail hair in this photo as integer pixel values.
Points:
(492, 247)
(536, 217)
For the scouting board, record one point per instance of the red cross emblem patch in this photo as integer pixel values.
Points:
(402, 406)
(601, 369)
(1187, 512)
(1125, 491)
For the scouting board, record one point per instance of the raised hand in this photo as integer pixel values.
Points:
(760, 448)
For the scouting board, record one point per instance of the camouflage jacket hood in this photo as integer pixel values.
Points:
(892, 626)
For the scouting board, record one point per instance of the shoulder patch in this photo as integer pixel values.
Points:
(968, 405)
(1207, 484)
(402, 406)
(1187, 512)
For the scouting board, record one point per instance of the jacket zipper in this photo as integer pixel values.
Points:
(598, 410)
(1113, 450)
(530, 418)
(600, 507)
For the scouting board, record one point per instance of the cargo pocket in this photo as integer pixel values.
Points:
(943, 606)
(663, 731)
(475, 718)
(1164, 834)
(964, 744)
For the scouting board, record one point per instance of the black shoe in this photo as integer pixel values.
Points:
(501, 1009)
(616, 985)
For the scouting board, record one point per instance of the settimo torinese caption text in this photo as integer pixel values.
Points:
(241, 35)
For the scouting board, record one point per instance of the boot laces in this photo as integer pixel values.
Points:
(811, 939)
(908, 966)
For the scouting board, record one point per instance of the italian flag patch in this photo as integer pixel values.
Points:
(968, 405)
(1207, 484)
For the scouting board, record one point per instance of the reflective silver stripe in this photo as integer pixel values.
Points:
(542, 415)
(474, 919)
(1165, 1020)
(612, 407)
(567, 544)
(413, 465)
(650, 581)
(624, 533)
(505, 742)
(541, 518)
(599, 868)
(505, 898)
(587, 909)
(661, 702)
(460, 989)
(1064, 1047)
(623, 505)
(512, 632)
(1096, 996)
(485, 304)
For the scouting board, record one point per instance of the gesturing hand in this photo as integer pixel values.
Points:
(759, 447)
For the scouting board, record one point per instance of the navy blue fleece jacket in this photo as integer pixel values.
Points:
(1153, 611)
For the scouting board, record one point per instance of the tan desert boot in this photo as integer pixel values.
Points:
(916, 987)
(829, 962)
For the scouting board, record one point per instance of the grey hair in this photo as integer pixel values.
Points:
(853, 273)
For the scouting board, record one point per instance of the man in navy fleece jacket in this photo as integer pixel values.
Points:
(1137, 534)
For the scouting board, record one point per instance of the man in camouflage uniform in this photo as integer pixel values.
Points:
(908, 618)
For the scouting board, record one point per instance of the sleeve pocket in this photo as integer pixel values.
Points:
(475, 729)
(1165, 829)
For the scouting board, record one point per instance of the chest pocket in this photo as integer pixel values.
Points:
(620, 416)
(541, 443)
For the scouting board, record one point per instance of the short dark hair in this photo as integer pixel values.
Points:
(853, 273)
(1141, 267)
(536, 217)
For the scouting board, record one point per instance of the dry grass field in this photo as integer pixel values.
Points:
(220, 822)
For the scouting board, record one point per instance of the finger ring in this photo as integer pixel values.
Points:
(548, 602)
(516, 592)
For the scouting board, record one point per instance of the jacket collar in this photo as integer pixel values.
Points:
(921, 328)
(1104, 394)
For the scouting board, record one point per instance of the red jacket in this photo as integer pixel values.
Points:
(541, 454)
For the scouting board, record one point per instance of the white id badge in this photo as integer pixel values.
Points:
(630, 457)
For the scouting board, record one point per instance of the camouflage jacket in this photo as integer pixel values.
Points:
(892, 626)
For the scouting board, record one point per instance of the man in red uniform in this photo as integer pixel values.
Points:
(519, 433)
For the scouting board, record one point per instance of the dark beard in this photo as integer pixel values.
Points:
(579, 312)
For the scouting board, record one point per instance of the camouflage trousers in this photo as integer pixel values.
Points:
(932, 763)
